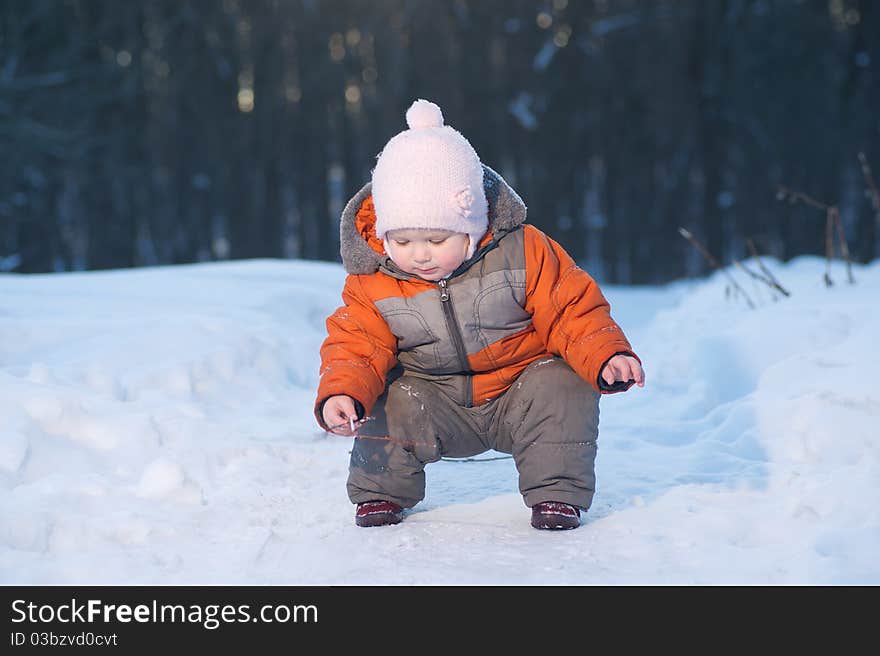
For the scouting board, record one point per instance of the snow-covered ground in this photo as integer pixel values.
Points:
(157, 429)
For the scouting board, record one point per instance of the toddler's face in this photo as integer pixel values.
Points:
(429, 254)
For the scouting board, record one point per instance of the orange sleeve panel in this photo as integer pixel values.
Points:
(358, 351)
(569, 311)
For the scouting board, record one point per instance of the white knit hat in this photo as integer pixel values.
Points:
(429, 177)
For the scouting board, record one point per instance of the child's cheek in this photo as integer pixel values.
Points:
(453, 258)
(394, 252)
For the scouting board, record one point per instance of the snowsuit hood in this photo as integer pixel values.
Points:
(363, 253)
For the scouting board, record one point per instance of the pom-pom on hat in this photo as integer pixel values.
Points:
(429, 176)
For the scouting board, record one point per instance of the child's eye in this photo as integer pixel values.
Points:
(437, 241)
(401, 242)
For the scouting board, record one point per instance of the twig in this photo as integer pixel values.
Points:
(773, 281)
(352, 424)
(759, 277)
(829, 245)
(832, 217)
(476, 459)
(749, 272)
(794, 196)
(872, 186)
(841, 238)
(714, 263)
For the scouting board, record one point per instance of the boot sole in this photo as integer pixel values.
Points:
(378, 519)
(554, 522)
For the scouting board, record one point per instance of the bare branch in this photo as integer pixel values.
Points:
(832, 220)
(761, 277)
(772, 279)
(829, 246)
(844, 249)
(752, 274)
(784, 193)
(714, 263)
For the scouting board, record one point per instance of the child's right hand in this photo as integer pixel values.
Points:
(338, 414)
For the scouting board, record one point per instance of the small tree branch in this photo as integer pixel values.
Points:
(793, 196)
(770, 278)
(757, 276)
(844, 249)
(829, 245)
(714, 263)
(832, 220)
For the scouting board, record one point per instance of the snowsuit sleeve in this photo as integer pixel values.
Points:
(358, 352)
(569, 311)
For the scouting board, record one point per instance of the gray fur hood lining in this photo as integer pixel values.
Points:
(506, 212)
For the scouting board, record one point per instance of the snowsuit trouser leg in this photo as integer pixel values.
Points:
(549, 421)
(422, 424)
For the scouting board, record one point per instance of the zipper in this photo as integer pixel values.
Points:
(457, 340)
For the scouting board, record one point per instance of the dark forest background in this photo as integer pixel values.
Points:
(175, 131)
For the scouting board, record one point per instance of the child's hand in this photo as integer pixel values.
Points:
(339, 413)
(623, 368)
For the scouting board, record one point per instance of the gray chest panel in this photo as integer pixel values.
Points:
(487, 304)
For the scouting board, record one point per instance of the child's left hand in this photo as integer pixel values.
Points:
(623, 368)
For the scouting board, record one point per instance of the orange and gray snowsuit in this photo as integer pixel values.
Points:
(505, 354)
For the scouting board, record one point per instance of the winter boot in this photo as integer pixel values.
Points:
(555, 515)
(377, 513)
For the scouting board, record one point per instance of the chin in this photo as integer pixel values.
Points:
(433, 275)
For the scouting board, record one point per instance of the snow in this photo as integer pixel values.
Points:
(158, 429)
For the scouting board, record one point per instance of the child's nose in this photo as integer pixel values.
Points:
(422, 254)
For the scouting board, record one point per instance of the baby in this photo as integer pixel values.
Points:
(463, 329)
